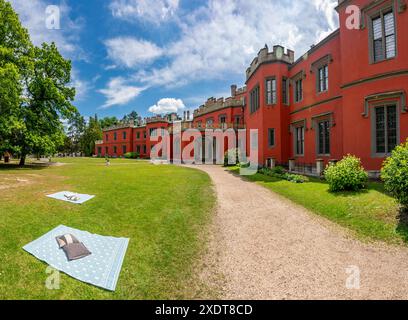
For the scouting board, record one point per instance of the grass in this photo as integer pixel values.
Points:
(162, 209)
(371, 214)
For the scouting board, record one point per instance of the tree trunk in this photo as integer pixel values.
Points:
(22, 160)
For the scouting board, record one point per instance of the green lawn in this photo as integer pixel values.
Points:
(370, 214)
(164, 210)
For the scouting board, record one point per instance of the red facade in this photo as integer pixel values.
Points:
(346, 95)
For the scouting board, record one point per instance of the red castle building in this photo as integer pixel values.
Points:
(346, 95)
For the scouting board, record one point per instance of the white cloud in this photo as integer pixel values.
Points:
(81, 86)
(222, 38)
(154, 11)
(130, 52)
(167, 105)
(328, 8)
(33, 16)
(118, 93)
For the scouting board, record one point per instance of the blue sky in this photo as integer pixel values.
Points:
(169, 55)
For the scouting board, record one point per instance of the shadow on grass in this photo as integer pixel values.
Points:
(13, 166)
(402, 227)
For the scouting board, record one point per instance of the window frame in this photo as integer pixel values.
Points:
(285, 90)
(273, 93)
(252, 100)
(296, 141)
(373, 16)
(324, 153)
(323, 84)
(271, 145)
(385, 105)
(223, 125)
(295, 94)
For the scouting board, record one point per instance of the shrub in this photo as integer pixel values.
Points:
(296, 178)
(229, 157)
(346, 175)
(131, 155)
(278, 170)
(279, 173)
(394, 173)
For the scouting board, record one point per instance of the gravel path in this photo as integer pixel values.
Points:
(263, 246)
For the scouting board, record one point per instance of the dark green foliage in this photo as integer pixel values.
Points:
(394, 173)
(346, 175)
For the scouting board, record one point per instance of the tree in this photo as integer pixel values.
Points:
(92, 133)
(35, 93)
(15, 52)
(74, 133)
(47, 99)
(108, 122)
(132, 117)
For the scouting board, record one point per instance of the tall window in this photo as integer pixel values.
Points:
(298, 90)
(137, 135)
(285, 98)
(153, 132)
(107, 150)
(323, 80)
(115, 150)
(107, 137)
(383, 33)
(209, 123)
(299, 140)
(223, 121)
(271, 91)
(138, 149)
(144, 149)
(385, 129)
(271, 137)
(324, 137)
(124, 135)
(237, 121)
(115, 136)
(254, 100)
(124, 149)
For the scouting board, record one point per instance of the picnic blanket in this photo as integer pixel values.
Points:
(65, 196)
(101, 268)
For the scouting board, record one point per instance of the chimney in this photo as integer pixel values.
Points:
(184, 116)
(291, 55)
(233, 90)
(188, 114)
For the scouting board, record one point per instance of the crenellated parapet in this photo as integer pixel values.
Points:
(213, 104)
(171, 117)
(264, 56)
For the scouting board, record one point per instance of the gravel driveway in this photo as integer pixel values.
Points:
(263, 246)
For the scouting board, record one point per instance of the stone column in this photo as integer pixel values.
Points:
(319, 167)
(273, 163)
(291, 165)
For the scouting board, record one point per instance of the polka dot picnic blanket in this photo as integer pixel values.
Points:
(101, 268)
